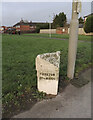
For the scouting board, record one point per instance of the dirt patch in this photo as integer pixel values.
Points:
(83, 78)
(24, 103)
(27, 101)
(79, 82)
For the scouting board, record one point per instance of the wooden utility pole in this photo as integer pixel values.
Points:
(50, 26)
(50, 29)
(73, 38)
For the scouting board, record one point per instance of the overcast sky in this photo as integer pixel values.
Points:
(12, 12)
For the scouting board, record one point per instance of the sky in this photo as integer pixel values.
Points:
(12, 12)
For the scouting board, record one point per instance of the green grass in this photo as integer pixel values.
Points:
(19, 53)
(63, 36)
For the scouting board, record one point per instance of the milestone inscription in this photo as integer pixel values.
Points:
(47, 76)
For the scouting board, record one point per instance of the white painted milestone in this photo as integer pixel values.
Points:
(47, 66)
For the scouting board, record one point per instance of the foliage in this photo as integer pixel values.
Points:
(59, 20)
(37, 29)
(81, 21)
(88, 27)
(43, 25)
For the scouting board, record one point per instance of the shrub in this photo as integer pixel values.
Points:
(43, 25)
(88, 27)
(37, 30)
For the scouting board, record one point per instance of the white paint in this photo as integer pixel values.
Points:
(53, 31)
(80, 31)
(18, 26)
(63, 30)
(48, 73)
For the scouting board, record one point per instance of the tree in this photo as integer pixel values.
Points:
(88, 27)
(81, 21)
(59, 20)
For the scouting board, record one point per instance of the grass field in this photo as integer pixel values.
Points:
(63, 36)
(18, 60)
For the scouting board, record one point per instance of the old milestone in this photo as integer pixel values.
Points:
(47, 66)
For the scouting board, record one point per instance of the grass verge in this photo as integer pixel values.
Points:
(19, 73)
(61, 36)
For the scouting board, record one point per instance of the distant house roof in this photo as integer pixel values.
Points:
(24, 23)
(88, 15)
(39, 23)
(3, 26)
